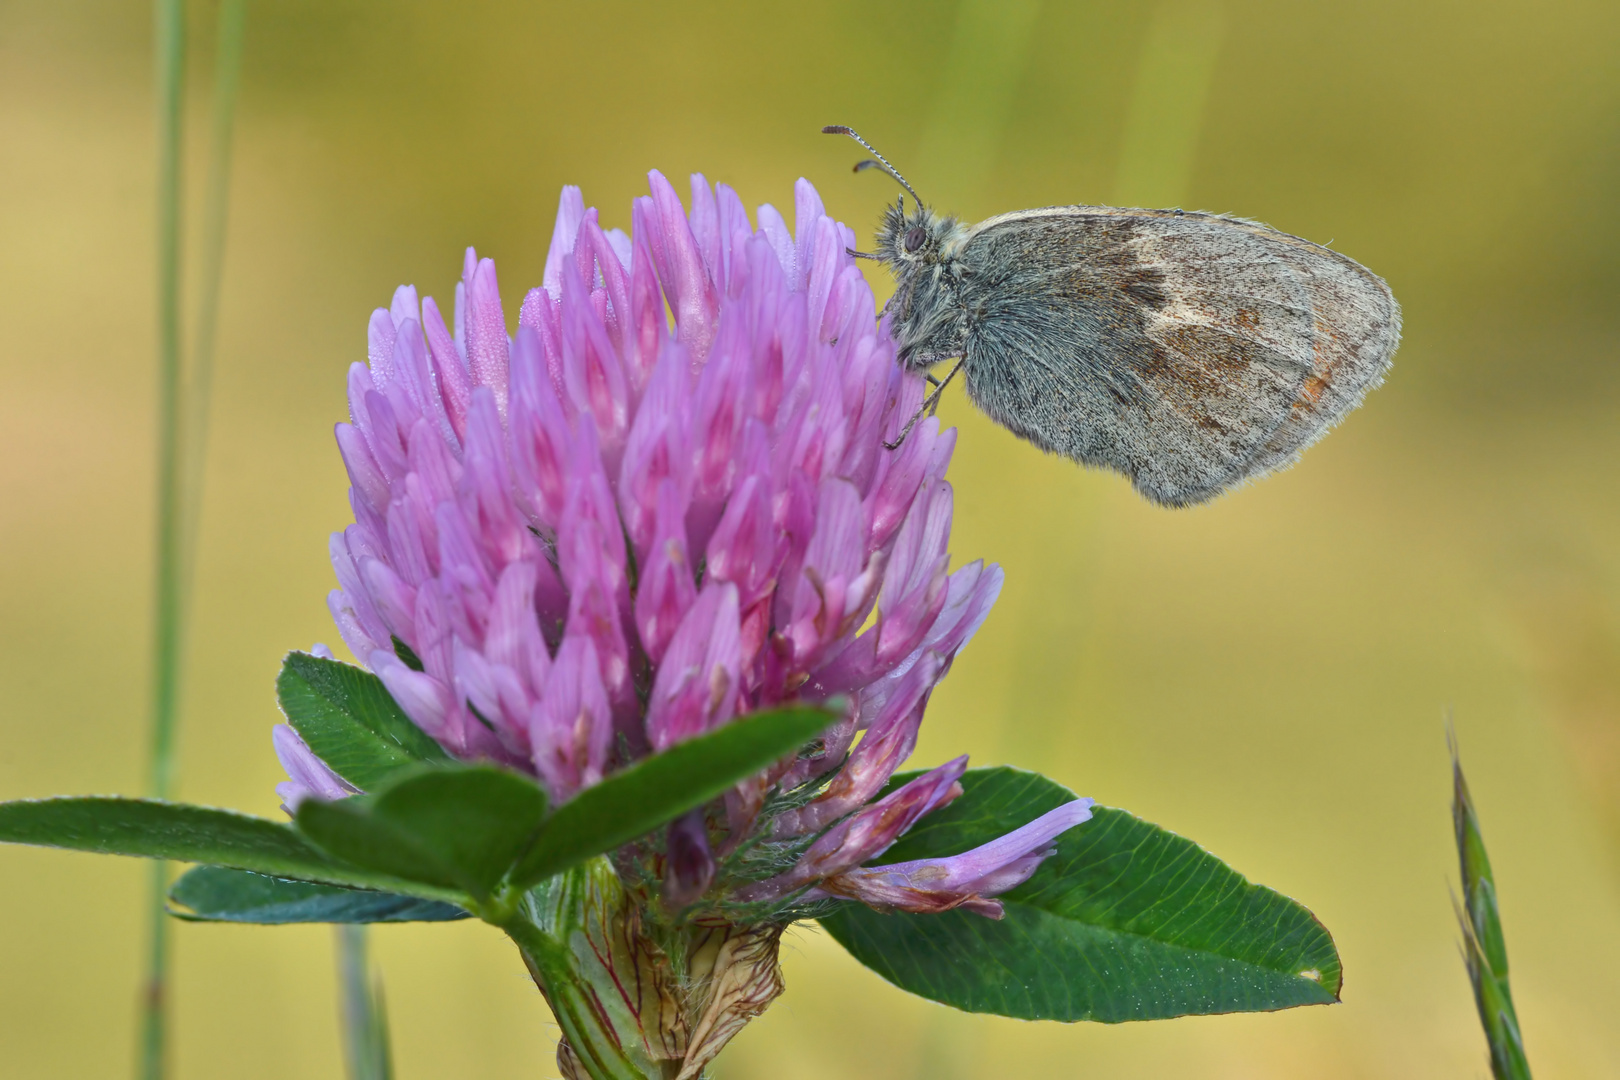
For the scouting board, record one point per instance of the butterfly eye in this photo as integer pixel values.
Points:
(914, 238)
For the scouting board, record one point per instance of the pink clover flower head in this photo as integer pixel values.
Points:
(663, 503)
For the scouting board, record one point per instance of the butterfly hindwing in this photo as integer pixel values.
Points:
(1186, 351)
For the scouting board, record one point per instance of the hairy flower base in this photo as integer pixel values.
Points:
(634, 1000)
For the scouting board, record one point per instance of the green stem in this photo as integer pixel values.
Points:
(182, 427)
(578, 1012)
(171, 63)
(634, 1005)
(365, 1017)
(199, 388)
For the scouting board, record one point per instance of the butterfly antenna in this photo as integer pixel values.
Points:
(881, 162)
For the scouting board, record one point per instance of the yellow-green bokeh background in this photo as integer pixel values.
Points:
(1266, 674)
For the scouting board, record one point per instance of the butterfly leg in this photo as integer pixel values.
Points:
(930, 405)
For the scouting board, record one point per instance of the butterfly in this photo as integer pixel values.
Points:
(1190, 352)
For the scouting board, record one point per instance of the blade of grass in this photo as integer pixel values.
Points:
(1484, 948)
(182, 426)
(216, 217)
(365, 1016)
(166, 630)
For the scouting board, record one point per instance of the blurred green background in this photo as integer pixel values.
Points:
(1266, 674)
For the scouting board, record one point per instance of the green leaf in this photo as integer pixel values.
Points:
(219, 894)
(1126, 922)
(162, 830)
(349, 719)
(406, 654)
(658, 789)
(461, 828)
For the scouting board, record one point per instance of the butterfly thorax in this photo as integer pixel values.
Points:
(926, 318)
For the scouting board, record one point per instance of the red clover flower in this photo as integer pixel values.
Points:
(584, 543)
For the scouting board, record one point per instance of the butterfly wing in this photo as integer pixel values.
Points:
(1355, 331)
(1186, 351)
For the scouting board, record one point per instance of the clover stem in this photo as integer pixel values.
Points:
(591, 1048)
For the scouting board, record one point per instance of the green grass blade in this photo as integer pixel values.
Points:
(1484, 947)
(170, 34)
(182, 420)
(365, 1015)
(216, 216)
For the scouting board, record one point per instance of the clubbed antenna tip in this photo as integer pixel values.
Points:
(881, 162)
